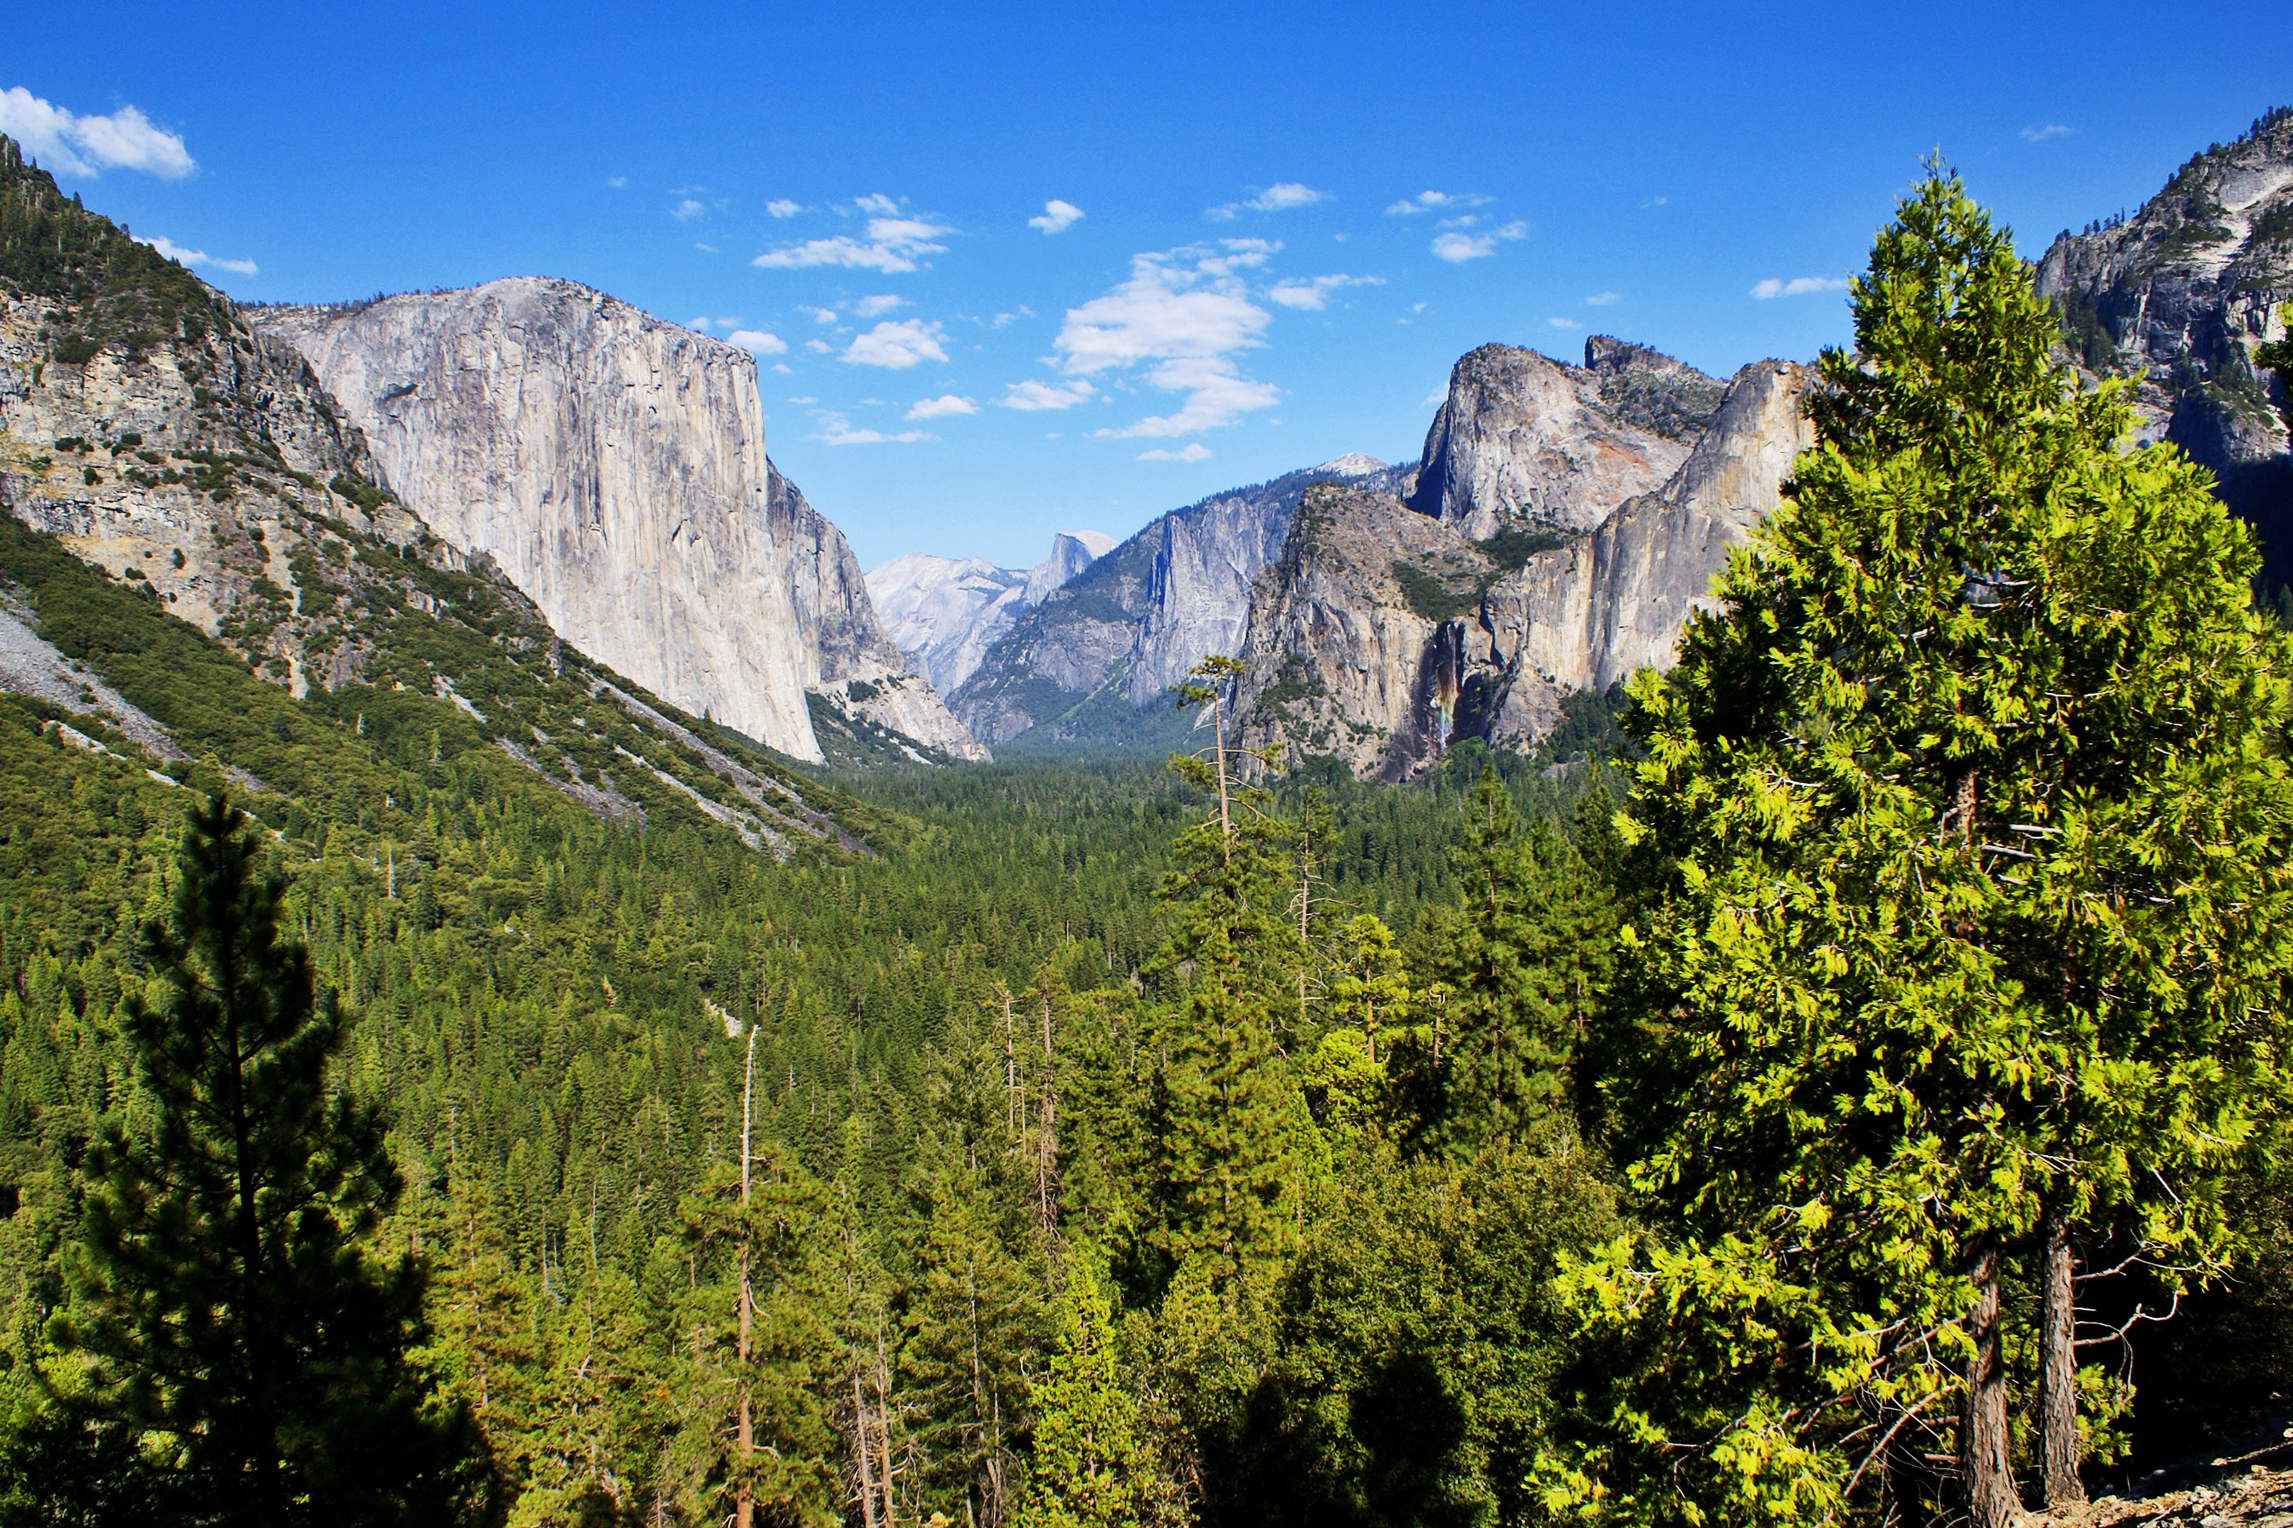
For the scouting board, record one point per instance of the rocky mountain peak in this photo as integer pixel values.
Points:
(2177, 296)
(1523, 441)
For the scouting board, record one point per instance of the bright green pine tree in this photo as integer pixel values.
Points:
(784, 1471)
(973, 1325)
(1522, 968)
(1223, 1152)
(1980, 922)
(1087, 1468)
(223, 1292)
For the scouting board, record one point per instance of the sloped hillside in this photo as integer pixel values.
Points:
(246, 598)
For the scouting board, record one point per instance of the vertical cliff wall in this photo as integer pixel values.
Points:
(613, 467)
(1523, 440)
(1382, 634)
(2177, 296)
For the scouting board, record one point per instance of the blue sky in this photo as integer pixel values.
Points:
(1281, 224)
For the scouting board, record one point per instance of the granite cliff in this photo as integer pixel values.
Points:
(148, 426)
(612, 466)
(1522, 444)
(1088, 665)
(1383, 632)
(1525, 441)
(2177, 296)
(943, 612)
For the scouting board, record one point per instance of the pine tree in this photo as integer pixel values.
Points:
(1528, 954)
(223, 1292)
(1979, 923)
(1223, 1147)
(761, 1351)
(1087, 1468)
(973, 1324)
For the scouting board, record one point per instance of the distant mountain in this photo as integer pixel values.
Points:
(2177, 296)
(1088, 666)
(944, 611)
(201, 572)
(1384, 634)
(613, 467)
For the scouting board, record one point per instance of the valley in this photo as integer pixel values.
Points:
(1613, 974)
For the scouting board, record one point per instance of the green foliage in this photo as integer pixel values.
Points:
(223, 1297)
(1086, 1467)
(1515, 979)
(104, 282)
(1976, 816)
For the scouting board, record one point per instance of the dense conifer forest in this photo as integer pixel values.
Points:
(1707, 1120)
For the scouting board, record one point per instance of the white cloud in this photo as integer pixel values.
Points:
(894, 243)
(1469, 220)
(1775, 286)
(871, 307)
(1311, 296)
(806, 399)
(69, 145)
(686, 210)
(2041, 134)
(1275, 198)
(1656, 201)
(616, 181)
(897, 346)
(1603, 299)
(1434, 201)
(708, 248)
(1058, 216)
(1036, 397)
(819, 315)
(783, 369)
(1180, 317)
(758, 341)
(194, 258)
(782, 207)
(836, 430)
(1564, 323)
(942, 407)
(1198, 452)
(818, 347)
(1457, 248)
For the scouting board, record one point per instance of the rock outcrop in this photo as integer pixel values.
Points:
(2177, 296)
(1384, 633)
(943, 612)
(612, 466)
(1523, 441)
(1090, 663)
(162, 438)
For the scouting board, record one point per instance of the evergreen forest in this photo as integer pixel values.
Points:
(1841, 1079)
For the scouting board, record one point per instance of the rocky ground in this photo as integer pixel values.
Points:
(2249, 1485)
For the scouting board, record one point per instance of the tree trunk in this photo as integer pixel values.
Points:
(860, 1447)
(2058, 1370)
(1986, 1469)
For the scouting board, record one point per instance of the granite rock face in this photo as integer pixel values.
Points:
(612, 466)
(943, 612)
(2177, 296)
(1523, 441)
(1088, 663)
(1383, 634)
(197, 466)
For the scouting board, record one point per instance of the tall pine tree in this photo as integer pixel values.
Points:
(223, 1291)
(1976, 948)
